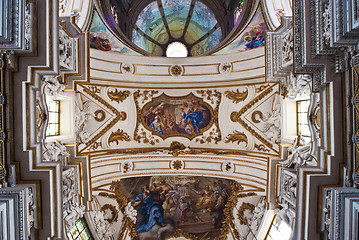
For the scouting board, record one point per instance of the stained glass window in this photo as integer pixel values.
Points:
(80, 231)
(302, 118)
(114, 13)
(279, 230)
(53, 127)
(237, 12)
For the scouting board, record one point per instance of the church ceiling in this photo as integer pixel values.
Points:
(195, 207)
(191, 23)
(245, 118)
(194, 134)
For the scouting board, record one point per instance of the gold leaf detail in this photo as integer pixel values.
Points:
(245, 206)
(261, 147)
(176, 146)
(236, 96)
(142, 136)
(236, 137)
(214, 135)
(118, 96)
(254, 114)
(176, 70)
(261, 88)
(177, 164)
(114, 212)
(118, 136)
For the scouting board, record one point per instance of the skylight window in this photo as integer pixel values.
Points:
(176, 49)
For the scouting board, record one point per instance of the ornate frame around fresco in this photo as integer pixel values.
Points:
(190, 96)
(213, 96)
(228, 221)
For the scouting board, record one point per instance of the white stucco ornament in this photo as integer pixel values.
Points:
(131, 212)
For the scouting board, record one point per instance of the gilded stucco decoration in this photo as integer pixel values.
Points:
(127, 68)
(258, 122)
(176, 70)
(245, 118)
(225, 68)
(95, 116)
(236, 96)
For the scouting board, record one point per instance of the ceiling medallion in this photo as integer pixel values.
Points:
(177, 164)
(126, 167)
(176, 70)
(127, 68)
(228, 166)
(225, 68)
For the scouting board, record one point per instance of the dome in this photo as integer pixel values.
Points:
(150, 27)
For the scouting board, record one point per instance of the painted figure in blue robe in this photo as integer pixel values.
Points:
(255, 38)
(150, 207)
(157, 125)
(194, 117)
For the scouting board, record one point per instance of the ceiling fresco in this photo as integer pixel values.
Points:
(251, 37)
(103, 39)
(245, 118)
(179, 207)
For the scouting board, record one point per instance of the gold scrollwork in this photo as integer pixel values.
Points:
(260, 115)
(113, 210)
(118, 96)
(100, 115)
(236, 116)
(214, 135)
(236, 136)
(242, 218)
(92, 90)
(236, 96)
(147, 94)
(261, 88)
(119, 136)
(211, 95)
(142, 136)
(261, 147)
(95, 146)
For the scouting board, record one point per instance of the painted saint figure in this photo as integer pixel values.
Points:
(193, 117)
(150, 207)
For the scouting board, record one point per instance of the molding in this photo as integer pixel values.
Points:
(14, 206)
(343, 209)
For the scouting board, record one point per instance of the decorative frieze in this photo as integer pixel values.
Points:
(52, 85)
(54, 151)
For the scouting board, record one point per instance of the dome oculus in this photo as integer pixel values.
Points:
(164, 22)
